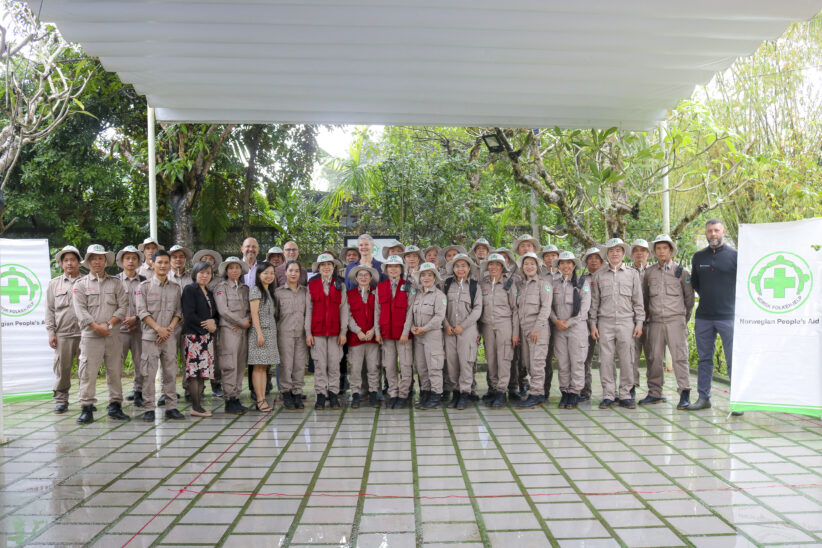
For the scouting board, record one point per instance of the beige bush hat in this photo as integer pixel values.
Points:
(97, 249)
(533, 256)
(129, 249)
(456, 247)
(67, 249)
(325, 258)
(428, 267)
(344, 251)
(414, 250)
(275, 251)
(664, 238)
(567, 256)
(510, 255)
(479, 242)
(494, 258)
(389, 245)
(395, 260)
(186, 251)
(617, 242)
(549, 248)
(218, 258)
(473, 269)
(352, 274)
(596, 250)
(440, 256)
(142, 246)
(229, 261)
(525, 238)
(639, 242)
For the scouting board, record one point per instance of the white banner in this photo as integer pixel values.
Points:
(777, 357)
(27, 359)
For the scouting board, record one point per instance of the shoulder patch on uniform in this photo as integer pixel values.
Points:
(75, 290)
(548, 287)
(413, 291)
(219, 292)
(688, 280)
(445, 301)
(138, 292)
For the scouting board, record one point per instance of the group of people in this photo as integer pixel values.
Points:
(379, 320)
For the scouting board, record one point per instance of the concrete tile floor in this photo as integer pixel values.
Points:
(644, 477)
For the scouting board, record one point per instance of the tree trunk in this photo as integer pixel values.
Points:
(183, 218)
(252, 143)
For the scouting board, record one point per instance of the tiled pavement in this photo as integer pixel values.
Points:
(644, 477)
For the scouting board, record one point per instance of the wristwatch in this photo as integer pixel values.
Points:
(110, 327)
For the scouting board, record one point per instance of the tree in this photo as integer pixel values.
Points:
(41, 84)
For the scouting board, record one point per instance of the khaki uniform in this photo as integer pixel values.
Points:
(669, 302)
(326, 352)
(291, 337)
(232, 305)
(161, 301)
(499, 323)
(461, 350)
(428, 312)
(571, 345)
(368, 352)
(534, 307)
(641, 344)
(146, 271)
(215, 337)
(98, 300)
(61, 322)
(399, 384)
(616, 309)
(554, 278)
(182, 280)
(132, 340)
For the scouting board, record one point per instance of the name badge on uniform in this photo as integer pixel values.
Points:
(413, 291)
(445, 301)
(547, 288)
(586, 287)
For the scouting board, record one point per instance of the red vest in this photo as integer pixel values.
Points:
(325, 311)
(362, 313)
(392, 309)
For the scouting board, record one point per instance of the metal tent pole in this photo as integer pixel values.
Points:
(152, 177)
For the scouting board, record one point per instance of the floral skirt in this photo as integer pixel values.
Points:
(199, 352)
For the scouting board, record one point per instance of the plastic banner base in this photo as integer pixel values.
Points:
(27, 396)
(810, 410)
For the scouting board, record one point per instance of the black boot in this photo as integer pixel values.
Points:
(583, 397)
(320, 403)
(86, 415)
(531, 402)
(130, 396)
(162, 401)
(174, 414)
(563, 400)
(288, 400)
(684, 400)
(463, 400)
(633, 392)
(298, 401)
(372, 399)
(651, 400)
(241, 408)
(628, 403)
(138, 400)
(513, 395)
(148, 416)
(488, 397)
(432, 402)
(571, 402)
(402, 403)
(355, 401)
(233, 407)
(217, 390)
(60, 408)
(335, 402)
(499, 400)
(115, 411)
(424, 395)
(455, 398)
(700, 403)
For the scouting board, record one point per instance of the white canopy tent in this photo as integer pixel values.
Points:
(523, 63)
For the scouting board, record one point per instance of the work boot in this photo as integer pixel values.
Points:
(402, 403)
(334, 401)
(320, 403)
(700, 403)
(571, 402)
(499, 400)
(60, 408)
(651, 400)
(531, 402)
(86, 415)
(138, 400)
(462, 400)
(298, 401)
(130, 396)
(234, 407)
(452, 403)
(513, 395)
(563, 400)
(471, 396)
(606, 403)
(633, 392)
(424, 396)
(684, 400)
(392, 403)
(432, 402)
(627, 403)
(242, 408)
(737, 413)
(148, 416)
(174, 414)
(488, 397)
(217, 390)
(115, 411)
(372, 399)
(584, 397)
(355, 401)
(288, 401)
(523, 391)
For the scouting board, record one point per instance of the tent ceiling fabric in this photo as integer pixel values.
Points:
(527, 63)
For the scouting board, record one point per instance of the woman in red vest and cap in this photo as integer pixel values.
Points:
(326, 322)
(362, 339)
(394, 298)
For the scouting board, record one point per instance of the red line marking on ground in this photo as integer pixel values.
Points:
(512, 495)
(185, 489)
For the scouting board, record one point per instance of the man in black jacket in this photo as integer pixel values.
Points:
(714, 278)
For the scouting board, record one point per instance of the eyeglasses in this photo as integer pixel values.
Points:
(290, 249)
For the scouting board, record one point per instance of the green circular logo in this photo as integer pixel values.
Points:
(20, 290)
(780, 282)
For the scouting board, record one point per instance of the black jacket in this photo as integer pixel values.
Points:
(195, 309)
(714, 278)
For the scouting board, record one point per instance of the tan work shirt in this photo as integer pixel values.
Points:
(146, 270)
(180, 279)
(61, 321)
(130, 286)
(161, 301)
(98, 300)
(562, 305)
(667, 296)
(616, 295)
(231, 299)
(459, 310)
(428, 310)
(534, 303)
(499, 305)
(291, 310)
